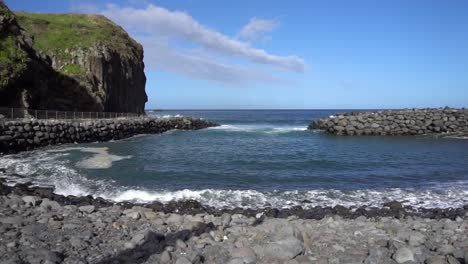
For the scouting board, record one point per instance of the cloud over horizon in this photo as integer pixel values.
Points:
(158, 28)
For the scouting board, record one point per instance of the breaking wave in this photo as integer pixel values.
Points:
(52, 168)
(268, 129)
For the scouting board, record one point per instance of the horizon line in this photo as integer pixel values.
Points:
(287, 109)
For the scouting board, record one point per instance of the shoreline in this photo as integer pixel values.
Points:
(39, 226)
(395, 209)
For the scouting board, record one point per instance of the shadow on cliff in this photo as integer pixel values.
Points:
(155, 243)
(41, 87)
(27, 78)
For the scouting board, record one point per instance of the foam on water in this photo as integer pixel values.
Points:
(47, 168)
(268, 129)
(101, 159)
(254, 199)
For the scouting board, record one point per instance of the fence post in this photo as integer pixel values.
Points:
(74, 115)
(65, 114)
(12, 113)
(46, 115)
(35, 113)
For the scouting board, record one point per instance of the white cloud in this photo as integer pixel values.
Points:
(175, 25)
(256, 28)
(195, 65)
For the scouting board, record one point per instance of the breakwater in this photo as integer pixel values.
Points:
(28, 134)
(429, 121)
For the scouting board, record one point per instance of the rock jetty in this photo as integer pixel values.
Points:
(40, 227)
(429, 121)
(28, 134)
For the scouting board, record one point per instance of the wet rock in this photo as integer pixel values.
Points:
(394, 205)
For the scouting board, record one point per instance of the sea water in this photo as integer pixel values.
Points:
(256, 158)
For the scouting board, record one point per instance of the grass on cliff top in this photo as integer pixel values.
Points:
(54, 33)
(13, 60)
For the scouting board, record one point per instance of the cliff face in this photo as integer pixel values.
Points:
(69, 62)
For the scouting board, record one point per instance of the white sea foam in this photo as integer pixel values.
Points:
(256, 199)
(286, 129)
(268, 129)
(52, 167)
(101, 159)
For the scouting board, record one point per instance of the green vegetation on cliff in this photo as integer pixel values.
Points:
(69, 62)
(13, 59)
(57, 33)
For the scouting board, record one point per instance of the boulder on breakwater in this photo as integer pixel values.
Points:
(429, 121)
(28, 134)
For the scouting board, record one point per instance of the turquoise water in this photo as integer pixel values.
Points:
(256, 159)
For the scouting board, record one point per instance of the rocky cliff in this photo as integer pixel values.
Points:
(69, 62)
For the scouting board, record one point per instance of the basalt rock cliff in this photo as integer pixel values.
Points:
(69, 62)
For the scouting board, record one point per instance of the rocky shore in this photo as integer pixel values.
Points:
(38, 226)
(28, 134)
(429, 121)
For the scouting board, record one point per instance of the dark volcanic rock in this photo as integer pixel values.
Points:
(431, 121)
(53, 229)
(84, 131)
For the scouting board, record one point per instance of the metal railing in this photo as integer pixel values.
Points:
(18, 113)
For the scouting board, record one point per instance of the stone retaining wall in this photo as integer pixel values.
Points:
(440, 121)
(27, 134)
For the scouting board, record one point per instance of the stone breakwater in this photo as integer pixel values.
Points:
(38, 227)
(441, 121)
(28, 134)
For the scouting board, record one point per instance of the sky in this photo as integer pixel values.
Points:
(258, 54)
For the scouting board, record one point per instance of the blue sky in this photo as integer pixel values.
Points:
(293, 54)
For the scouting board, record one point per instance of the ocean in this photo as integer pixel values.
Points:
(255, 159)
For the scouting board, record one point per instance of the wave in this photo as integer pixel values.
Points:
(52, 167)
(306, 199)
(268, 129)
